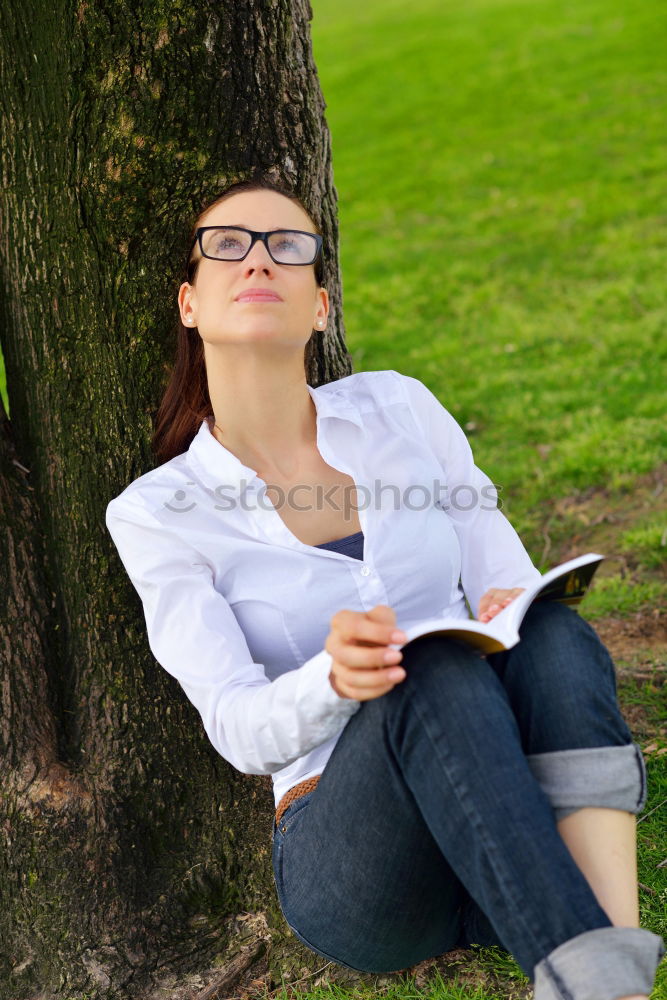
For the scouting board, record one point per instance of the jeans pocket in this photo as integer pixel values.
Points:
(288, 817)
(288, 822)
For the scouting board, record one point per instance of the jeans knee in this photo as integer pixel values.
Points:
(558, 621)
(561, 620)
(562, 682)
(444, 672)
(557, 637)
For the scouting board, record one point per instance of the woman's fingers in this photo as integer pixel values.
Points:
(495, 600)
(355, 656)
(356, 680)
(359, 646)
(367, 628)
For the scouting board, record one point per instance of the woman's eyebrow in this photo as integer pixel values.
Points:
(239, 225)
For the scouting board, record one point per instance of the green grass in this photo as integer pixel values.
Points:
(502, 179)
(438, 989)
(651, 852)
(648, 542)
(611, 595)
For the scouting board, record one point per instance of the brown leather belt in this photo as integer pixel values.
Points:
(295, 793)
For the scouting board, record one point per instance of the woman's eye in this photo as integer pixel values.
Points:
(228, 243)
(287, 245)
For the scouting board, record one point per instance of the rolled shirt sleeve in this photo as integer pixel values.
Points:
(492, 554)
(258, 726)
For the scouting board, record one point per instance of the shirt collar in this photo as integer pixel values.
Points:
(219, 467)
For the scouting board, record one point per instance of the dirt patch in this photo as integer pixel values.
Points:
(640, 639)
(593, 520)
(638, 646)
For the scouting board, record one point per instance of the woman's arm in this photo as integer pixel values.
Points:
(492, 554)
(258, 725)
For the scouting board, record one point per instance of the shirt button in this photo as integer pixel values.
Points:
(365, 570)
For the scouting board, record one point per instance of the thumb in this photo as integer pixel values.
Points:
(382, 613)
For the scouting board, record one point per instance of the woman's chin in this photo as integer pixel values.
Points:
(260, 335)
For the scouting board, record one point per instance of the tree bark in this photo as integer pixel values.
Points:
(131, 852)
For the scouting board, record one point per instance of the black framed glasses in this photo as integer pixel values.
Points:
(284, 246)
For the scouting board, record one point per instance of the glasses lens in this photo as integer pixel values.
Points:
(291, 247)
(225, 243)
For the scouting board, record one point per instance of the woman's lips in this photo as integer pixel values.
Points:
(258, 295)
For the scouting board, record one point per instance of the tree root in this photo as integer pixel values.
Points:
(230, 974)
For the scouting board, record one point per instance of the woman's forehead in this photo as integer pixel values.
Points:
(259, 210)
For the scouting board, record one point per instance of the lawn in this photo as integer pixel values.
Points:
(502, 179)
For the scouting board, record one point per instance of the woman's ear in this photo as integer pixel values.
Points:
(185, 295)
(322, 309)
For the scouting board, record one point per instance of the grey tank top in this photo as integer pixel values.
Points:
(351, 545)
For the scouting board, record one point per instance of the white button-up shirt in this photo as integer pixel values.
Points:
(238, 609)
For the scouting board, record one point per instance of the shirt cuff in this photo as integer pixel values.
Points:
(325, 707)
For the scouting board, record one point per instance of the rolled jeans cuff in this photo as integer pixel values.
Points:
(602, 964)
(611, 776)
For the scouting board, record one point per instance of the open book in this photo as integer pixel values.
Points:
(566, 583)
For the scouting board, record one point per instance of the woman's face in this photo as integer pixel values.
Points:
(218, 304)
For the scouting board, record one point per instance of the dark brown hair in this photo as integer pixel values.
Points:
(186, 401)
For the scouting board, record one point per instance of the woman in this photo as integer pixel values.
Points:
(427, 797)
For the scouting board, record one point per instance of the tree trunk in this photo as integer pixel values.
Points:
(132, 854)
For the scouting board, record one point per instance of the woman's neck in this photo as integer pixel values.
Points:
(274, 439)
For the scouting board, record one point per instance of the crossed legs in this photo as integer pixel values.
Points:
(449, 794)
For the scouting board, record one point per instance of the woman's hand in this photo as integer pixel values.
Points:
(358, 643)
(495, 600)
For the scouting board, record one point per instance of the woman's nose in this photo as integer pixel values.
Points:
(258, 259)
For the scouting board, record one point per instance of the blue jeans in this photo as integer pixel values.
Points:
(433, 825)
